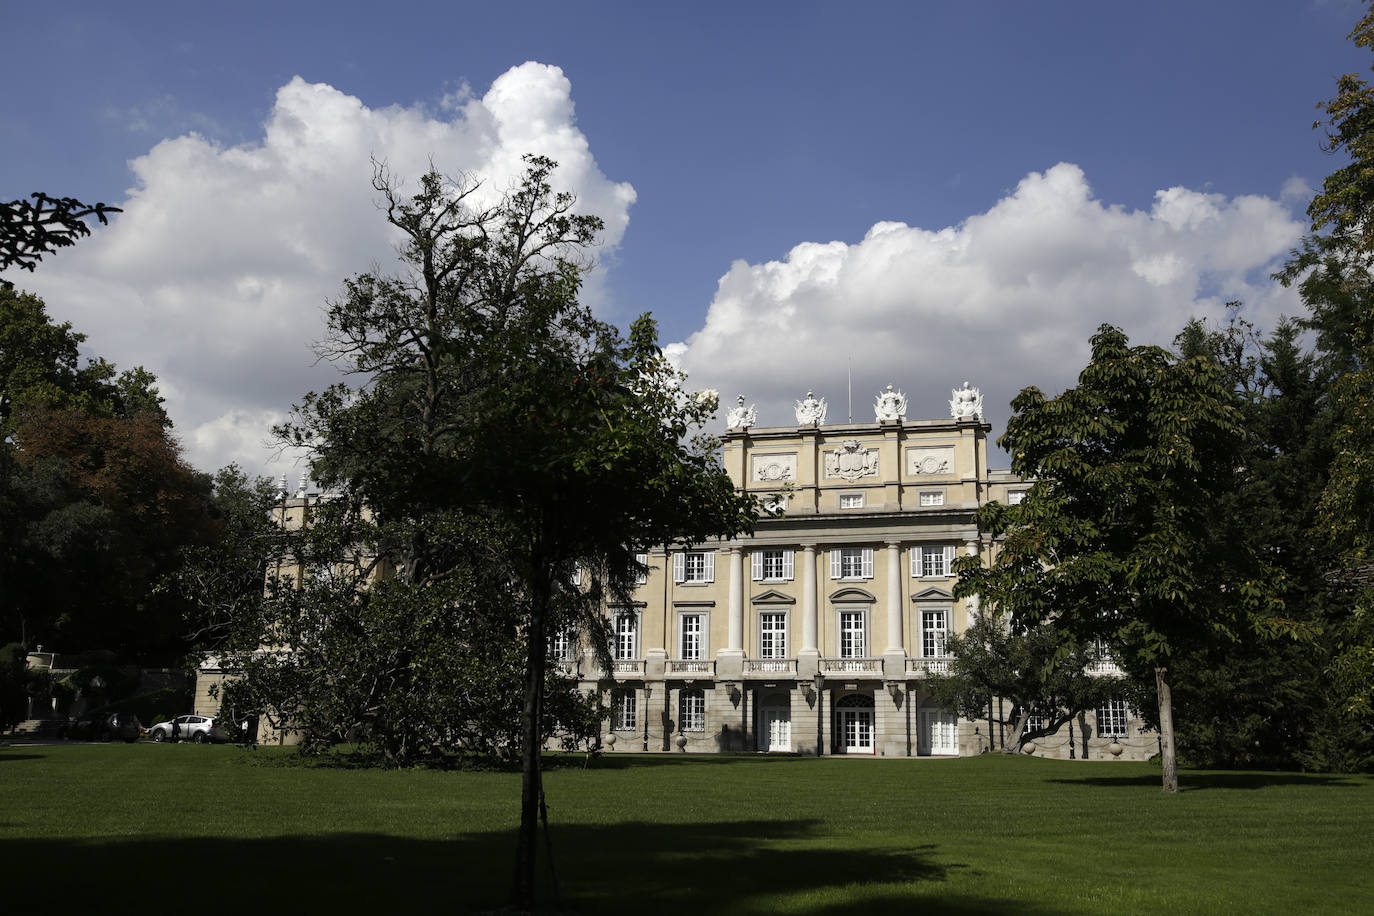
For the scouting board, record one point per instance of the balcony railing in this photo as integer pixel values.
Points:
(851, 666)
(700, 667)
(566, 666)
(923, 666)
(627, 668)
(770, 667)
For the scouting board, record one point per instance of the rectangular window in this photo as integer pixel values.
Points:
(851, 563)
(626, 636)
(692, 638)
(642, 574)
(771, 565)
(577, 574)
(932, 562)
(625, 709)
(851, 634)
(559, 645)
(692, 711)
(694, 566)
(932, 497)
(1015, 497)
(1034, 722)
(851, 500)
(1111, 719)
(772, 635)
(934, 633)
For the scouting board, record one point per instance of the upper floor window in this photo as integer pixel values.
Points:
(694, 566)
(932, 562)
(1111, 719)
(626, 636)
(851, 563)
(852, 640)
(560, 645)
(772, 565)
(1015, 497)
(772, 634)
(932, 497)
(934, 633)
(577, 574)
(642, 573)
(851, 500)
(692, 636)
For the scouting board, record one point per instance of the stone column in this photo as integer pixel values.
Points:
(730, 658)
(808, 659)
(735, 557)
(894, 597)
(972, 602)
(894, 658)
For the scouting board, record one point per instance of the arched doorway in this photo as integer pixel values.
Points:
(854, 724)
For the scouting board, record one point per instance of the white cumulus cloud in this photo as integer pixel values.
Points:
(1006, 299)
(215, 275)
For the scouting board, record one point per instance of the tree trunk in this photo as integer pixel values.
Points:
(1018, 734)
(522, 887)
(1166, 731)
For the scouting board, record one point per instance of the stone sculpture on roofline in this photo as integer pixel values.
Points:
(890, 406)
(741, 417)
(966, 403)
(811, 411)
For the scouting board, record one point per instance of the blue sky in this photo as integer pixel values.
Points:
(745, 131)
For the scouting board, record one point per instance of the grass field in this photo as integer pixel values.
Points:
(119, 825)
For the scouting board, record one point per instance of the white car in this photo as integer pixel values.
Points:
(200, 729)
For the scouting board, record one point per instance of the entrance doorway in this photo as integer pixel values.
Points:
(854, 725)
(939, 734)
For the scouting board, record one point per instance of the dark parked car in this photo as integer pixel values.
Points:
(105, 726)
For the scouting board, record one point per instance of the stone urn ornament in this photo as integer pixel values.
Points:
(1029, 748)
(681, 742)
(609, 741)
(1114, 749)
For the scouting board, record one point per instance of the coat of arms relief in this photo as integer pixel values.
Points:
(852, 461)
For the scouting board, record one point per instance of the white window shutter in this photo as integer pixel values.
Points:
(756, 562)
(679, 567)
(835, 572)
(868, 563)
(915, 562)
(949, 558)
(787, 565)
(710, 565)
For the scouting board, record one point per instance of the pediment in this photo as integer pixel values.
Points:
(933, 594)
(851, 594)
(773, 596)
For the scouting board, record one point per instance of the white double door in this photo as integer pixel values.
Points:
(775, 729)
(939, 733)
(856, 730)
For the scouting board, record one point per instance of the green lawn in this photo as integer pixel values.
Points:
(118, 823)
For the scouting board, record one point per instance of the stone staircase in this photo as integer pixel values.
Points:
(39, 728)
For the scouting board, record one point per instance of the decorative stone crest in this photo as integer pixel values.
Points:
(890, 406)
(852, 461)
(966, 403)
(741, 417)
(811, 412)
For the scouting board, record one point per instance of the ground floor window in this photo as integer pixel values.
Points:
(623, 710)
(1111, 719)
(692, 711)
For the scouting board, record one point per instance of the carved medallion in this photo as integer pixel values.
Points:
(767, 468)
(928, 461)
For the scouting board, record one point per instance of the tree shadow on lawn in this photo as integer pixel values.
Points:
(731, 867)
(1194, 782)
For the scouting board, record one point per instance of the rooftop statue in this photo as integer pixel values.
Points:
(811, 412)
(741, 417)
(966, 403)
(890, 406)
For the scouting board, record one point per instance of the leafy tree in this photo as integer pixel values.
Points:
(95, 500)
(499, 433)
(30, 229)
(1039, 669)
(1122, 537)
(1332, 271)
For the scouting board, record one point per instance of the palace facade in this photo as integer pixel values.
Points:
(816, 634)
